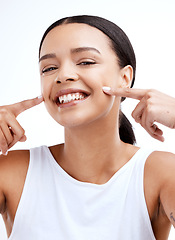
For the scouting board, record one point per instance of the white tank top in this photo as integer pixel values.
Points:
(55, 206)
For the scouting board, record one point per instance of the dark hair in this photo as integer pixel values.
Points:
(121, 46)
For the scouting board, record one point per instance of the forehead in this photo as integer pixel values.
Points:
(74, 35)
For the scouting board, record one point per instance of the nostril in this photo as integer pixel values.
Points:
(58, 81)
(70, 79)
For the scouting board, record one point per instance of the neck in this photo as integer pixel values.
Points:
(90, 150)
(91, 140)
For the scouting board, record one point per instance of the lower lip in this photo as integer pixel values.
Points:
(72, 103)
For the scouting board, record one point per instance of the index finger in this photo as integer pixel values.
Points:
(20, 107)
(127, 92)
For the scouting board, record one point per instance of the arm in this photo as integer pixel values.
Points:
(10, 133)
(4, 165)
(167, 190)
(160, 187)
(157, 177)
(153, 106)
(2, 201)
(10, 130)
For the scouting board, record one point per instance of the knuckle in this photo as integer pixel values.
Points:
(149, 103)
(150, 93)
(127, 90)
(3, 143)
(3, 112)
(149, 109)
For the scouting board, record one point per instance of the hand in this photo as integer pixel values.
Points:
(10, 130)
(153, 106)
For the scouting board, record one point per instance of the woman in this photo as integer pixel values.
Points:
(97, 185)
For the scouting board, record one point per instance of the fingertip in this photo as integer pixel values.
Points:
(118, 92)
(5, 154)
(105, 88)
(40, 98)
(162, 139)
(109, 91)
(159, 136)
(23, 138)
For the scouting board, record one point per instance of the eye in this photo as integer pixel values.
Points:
(49, 69)
(86, 63)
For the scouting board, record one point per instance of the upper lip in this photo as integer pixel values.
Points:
(69, 91)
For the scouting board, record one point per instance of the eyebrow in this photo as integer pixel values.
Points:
(49, 55)
(74, 50)
(84, 49)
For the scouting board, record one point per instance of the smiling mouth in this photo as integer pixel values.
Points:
(71, 98)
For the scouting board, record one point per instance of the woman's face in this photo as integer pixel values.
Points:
(76, 61)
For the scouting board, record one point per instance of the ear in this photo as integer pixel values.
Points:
(126, 76)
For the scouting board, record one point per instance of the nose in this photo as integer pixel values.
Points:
(66, 73)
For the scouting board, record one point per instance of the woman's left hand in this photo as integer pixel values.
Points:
(153, 106)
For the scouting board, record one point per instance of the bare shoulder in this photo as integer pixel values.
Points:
(160, 169)
(13, 170)
(14, 161)
(159, 188)
(163, 163)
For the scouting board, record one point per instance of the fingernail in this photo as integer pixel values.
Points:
(5, 154)
(39, 97)
(106, 88)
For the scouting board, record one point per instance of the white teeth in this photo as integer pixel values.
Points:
(71, 97)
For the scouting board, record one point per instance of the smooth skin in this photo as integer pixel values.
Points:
(93, 151)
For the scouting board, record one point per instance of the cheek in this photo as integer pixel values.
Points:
(106, 102)
(45, 88)
(106, 76)
(102, 103)
(42, 86)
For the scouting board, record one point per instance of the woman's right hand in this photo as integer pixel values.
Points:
(10, 130)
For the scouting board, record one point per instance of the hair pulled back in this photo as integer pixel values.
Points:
(122, 47)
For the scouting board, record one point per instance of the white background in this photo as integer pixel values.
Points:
(149, 24)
